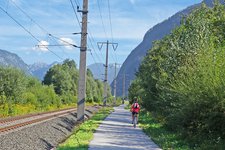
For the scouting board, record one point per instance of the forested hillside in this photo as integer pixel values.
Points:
(181, 79)
(21, 94)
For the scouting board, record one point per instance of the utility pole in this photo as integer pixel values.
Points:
(124, 76)
(125, 86)
(114, 45)
(115, 85)
(82, 66)
(114, 103)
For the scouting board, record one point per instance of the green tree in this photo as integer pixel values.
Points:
(64, 78)
(13, 83)
(182, 76)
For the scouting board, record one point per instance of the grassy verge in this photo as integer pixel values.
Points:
(160, 134)
(24, 109)
(84, 133)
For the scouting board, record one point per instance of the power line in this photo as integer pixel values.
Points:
(43, 30)
(111, 28)
(90, 37)
(95, 61)
(95, 53)
(75, 13)
(71, 44)
(28, 16)
(102, 19)
(77, 3)
(28, 31)
(113, 57)
(110, 20)
(7, 6)
(99, 58)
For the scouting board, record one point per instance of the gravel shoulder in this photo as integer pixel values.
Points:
(117, 132)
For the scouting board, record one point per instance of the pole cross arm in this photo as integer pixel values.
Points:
(114, 45)
(100, 44)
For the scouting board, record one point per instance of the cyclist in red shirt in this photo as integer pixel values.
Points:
(135, 108)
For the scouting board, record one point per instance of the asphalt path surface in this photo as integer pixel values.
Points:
(117, 133)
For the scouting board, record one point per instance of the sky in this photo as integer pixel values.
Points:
(42, 31)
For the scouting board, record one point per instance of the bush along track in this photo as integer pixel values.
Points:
(160, 134)
(83, 134)
(168, 138)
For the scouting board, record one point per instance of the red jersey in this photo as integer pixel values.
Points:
(135, 107)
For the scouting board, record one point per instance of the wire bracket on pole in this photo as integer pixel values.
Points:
(115, 45)
(83, 11)
(100, 44)
(83, 49)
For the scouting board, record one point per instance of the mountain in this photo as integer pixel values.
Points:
(132, 62)
(13, 60)
(10, 59)
(98, 70)
(39, 69)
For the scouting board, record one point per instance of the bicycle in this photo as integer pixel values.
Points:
(135, 120)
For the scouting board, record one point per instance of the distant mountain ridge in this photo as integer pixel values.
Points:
(40, 69)
(132, 62)
(10, 59)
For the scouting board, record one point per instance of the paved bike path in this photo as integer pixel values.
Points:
(117, 133)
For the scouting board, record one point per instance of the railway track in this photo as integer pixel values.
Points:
(10, 124)
(10, 119)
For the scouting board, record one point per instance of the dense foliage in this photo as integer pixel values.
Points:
(64, 78)
(181, 79)
(21, 94)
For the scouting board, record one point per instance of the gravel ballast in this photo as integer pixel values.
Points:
(41, 136)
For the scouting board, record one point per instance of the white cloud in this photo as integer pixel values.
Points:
(67, 42)
(42, 46)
